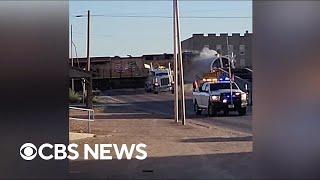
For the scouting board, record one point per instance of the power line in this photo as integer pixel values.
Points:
(170, 17)
(93, 34)
(206, 9)
(162, 12)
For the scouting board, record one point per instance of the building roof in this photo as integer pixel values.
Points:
(218, 35)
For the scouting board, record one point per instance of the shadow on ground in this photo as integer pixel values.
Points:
(212, 166)
(117, 92)
(218, 139)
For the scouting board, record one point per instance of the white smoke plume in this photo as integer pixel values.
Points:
(199, 64)
(207, 53)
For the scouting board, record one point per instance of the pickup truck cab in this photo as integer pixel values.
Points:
(216, 97)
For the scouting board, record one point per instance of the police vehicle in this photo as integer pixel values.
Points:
(215, 95)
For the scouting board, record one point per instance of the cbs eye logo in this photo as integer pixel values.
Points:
(28, 151)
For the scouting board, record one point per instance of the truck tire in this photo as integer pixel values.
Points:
(146, 89)
(242, 111)
(197, 110)
(149, 88)
(155, 90)
(211, 111)
(225, 112)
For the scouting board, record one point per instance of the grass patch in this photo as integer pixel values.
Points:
(74, 97)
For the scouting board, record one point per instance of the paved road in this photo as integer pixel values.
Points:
(161, 105)
(174, 151)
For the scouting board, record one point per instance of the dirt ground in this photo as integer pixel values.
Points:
(194, 151)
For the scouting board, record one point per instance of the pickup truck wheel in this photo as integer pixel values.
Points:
(225, 113)
(211, 111)
(242, 111)
(156, 91)
(147, 89)
(197, 109)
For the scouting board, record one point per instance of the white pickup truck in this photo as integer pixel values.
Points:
(216, 97)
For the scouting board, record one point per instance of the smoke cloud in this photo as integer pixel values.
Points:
(207, 53)
(199, 65)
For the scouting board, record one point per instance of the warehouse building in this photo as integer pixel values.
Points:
(240, 45)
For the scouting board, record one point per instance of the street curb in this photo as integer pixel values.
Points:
(73, 136)
(199, 124)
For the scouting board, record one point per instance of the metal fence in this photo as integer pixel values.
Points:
(89, 119)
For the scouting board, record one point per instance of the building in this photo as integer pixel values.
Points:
(240, 45)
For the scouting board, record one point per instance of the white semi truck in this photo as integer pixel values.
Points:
(159, 79)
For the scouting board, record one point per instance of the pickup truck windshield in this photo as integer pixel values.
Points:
(217, 86)
(162, 74)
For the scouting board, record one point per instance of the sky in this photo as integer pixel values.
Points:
(141, 33)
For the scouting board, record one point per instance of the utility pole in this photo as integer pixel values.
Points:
(72, 80)
(183, 106)
(89, 94)
(175, 64)
(88, 42)
(178, 61)
(230, 75)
